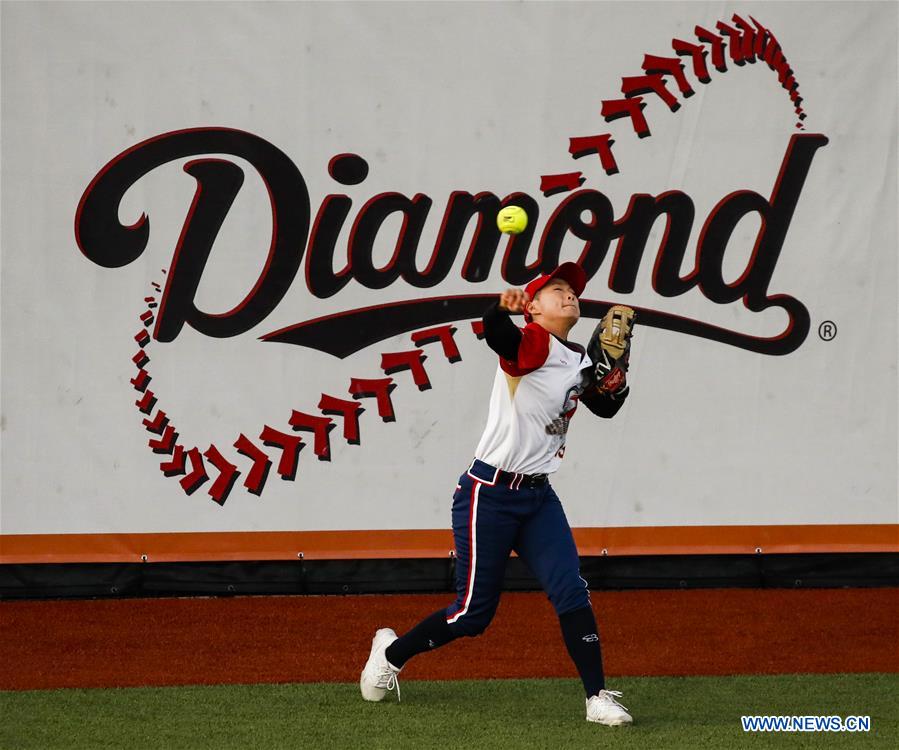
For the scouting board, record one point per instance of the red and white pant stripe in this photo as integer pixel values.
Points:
(472, 552)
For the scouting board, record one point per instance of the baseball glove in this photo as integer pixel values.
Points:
(609, 348)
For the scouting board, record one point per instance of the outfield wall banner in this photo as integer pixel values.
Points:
(246, 248)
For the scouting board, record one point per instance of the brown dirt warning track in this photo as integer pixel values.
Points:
(133, 642)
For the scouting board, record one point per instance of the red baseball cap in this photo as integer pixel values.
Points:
(570, 272)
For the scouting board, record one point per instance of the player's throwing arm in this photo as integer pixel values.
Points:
(513, 300)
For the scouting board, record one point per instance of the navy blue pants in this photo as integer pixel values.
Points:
(490, 520)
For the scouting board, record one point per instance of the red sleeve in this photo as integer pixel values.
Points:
(532, 352)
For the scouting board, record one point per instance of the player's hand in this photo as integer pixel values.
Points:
(610, 374)
(513, 300)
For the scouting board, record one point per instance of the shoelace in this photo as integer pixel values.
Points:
(617, 694)
(391, 681)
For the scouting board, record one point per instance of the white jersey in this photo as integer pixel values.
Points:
(532, 402)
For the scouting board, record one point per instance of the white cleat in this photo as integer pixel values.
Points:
(604, 709)
(379, 675)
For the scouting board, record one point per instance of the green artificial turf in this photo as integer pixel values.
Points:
(670, 712)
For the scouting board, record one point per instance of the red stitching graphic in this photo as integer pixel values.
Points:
(192, 482)
(228, 474)
(146, 403)
(166, 443)
(735, 44)
(349, 410)
(176, 465)
(190, 466)
(379, 388)
(654, 64)
(649, 84)
(551, 184)
(290, 446)
(443, 334)
(744, 42)
(595, 144)
(255, 479)
(704, 35)
(613, 109)
(141, 380)
(698, 54)
(320, 427)
(747, 39)
(411, 360)
(158, 423)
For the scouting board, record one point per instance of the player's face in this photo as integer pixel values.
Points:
(556, 301)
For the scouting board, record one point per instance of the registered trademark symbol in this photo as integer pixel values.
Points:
(827, 330)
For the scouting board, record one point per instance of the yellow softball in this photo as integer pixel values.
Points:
(512, 220)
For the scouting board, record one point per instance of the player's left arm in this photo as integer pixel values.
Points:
(605, 405)
(610, 349)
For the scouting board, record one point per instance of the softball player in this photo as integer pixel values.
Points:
(504, 500)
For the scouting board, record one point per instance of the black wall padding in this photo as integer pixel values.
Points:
(430, 575)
